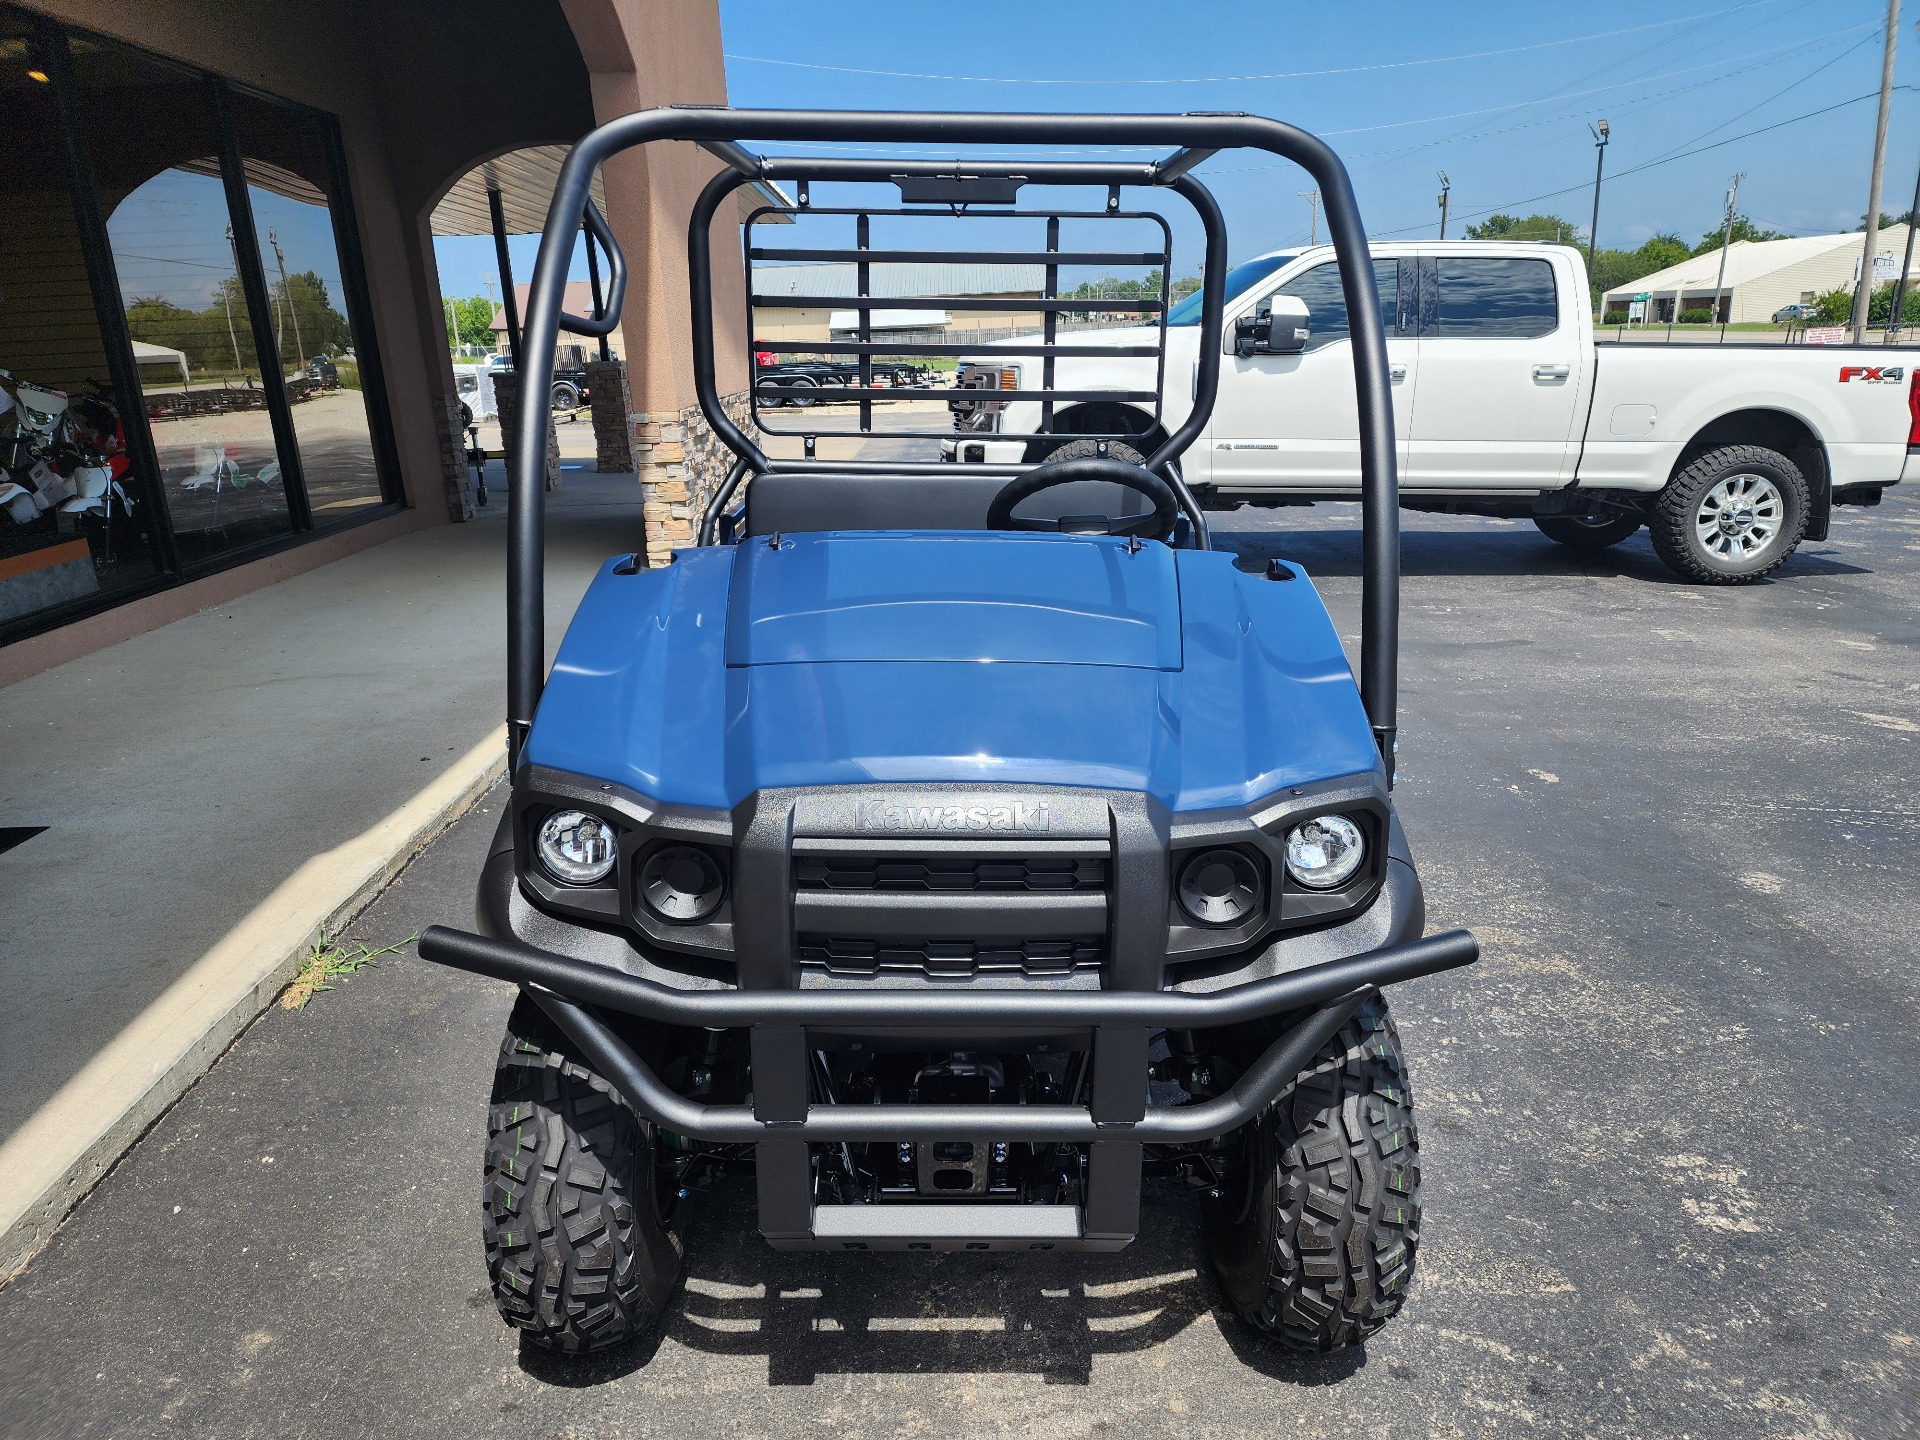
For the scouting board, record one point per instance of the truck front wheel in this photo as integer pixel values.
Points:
(1595, 530)
(1314, 1230)
(584, 1237)
(1731, 516)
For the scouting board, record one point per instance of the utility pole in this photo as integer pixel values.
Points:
(1863, 292)
(226, 293)
(1446, 187)
(280, 258)
(1726, 239)
(1599, 164)
(1897, 314)
(1312, 197)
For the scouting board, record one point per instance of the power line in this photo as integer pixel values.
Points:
(1623, 107)
(1236, 79)
(1620, 108)
(1773, 50)
(1565, 91)
(1787, 51)
(1863, 40)
(1654, 164)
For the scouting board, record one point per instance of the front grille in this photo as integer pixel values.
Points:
(949, 874)
(857, 957)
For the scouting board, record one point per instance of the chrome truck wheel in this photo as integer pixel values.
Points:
(1731, 516)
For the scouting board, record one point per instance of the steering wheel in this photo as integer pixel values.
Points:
(1158, 525)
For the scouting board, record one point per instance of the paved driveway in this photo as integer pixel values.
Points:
(1668, 1122)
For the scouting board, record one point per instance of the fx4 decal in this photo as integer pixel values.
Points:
(1873, 374)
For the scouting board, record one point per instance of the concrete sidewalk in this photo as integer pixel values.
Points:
(214, 791)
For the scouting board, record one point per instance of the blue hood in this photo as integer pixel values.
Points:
(947, 597)
(973, 658)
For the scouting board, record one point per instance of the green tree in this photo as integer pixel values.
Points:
(1615, 269)
(1533, 227)
(1743, 229)
(155, 321)
(1659, 251)
(473, 318)
(1885, 221)
(307, 322)
(1880, 305)
(1835, 307)
(203, 336)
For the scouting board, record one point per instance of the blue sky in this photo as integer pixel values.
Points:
(1498, 94)
(170, 239)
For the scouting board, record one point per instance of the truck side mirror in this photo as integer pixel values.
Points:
(1279, 327)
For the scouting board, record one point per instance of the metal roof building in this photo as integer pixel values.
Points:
(834, 282)
(1762, 276)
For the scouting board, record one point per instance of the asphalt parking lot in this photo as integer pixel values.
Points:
(1668, 1135)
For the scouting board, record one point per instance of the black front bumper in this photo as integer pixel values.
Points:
(1310, 983)
(782, 1121)
(1113, 1023)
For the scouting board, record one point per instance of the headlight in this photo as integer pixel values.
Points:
(682, 882)
(576, 847)
(1220, 887)
(1325, 851)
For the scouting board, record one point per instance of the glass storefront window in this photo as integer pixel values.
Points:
(156, 162)
(182, 327)
(71, 521)
(289, 185)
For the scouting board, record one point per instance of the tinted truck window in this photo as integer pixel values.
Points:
(1491, 299)
(1327, 304)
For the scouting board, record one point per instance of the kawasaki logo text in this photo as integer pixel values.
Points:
(1018, 815)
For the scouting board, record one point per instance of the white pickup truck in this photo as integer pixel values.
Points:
(1503, 405)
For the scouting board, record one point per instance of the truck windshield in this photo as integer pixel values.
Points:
(1240, 279)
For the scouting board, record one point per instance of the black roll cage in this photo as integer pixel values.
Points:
(720, 130)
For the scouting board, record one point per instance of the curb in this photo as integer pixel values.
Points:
(51, 1162)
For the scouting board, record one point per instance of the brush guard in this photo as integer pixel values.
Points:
(784, 1117)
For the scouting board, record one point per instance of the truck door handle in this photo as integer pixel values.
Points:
(1551, 372)
(1398, 373)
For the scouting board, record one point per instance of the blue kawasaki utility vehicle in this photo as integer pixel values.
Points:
(952, 845)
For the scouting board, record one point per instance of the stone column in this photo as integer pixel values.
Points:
(456, 480)
(660, 466)
(681, 465)
(506, 394)
(612, 416)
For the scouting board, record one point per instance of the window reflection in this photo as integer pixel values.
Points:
(156, 162)
(1495, 298)
(1326, 300)
(288, 183)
